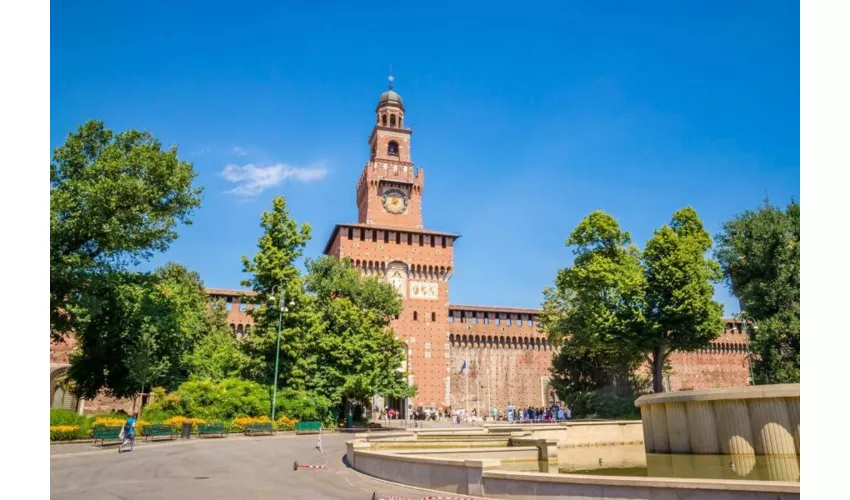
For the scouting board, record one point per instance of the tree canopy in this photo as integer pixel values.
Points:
(759, 252)
(272, 271)
(336, 342)
(137, 331)
(359, 353)
(596, 306)
(680, 312)
(616, 307)
(115, 198)
(218, 355)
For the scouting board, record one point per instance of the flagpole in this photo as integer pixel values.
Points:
(477, 390)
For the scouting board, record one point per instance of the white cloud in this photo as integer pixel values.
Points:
(254, 179)
(239, 150)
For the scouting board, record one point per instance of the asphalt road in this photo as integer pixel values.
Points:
(231, 468)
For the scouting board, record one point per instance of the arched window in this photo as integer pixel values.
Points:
(415, 316)
(233, 328)
(384, 120)
(392, 148)
(239, 331)
(434, 317)
(392, 120)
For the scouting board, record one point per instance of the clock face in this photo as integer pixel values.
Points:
(395, 201)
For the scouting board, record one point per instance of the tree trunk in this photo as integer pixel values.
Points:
(658, 355)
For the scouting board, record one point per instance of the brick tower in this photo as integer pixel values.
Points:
(389, 241)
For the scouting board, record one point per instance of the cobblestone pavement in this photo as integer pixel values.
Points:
(228, 468)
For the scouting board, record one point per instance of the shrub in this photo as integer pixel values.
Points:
(240, 423)
(69, 417)
(304, 406)
(108, 422)
(286, 424)
(210, 400)
(65, 417)
(602, 403)
(177, 422)
(140, 426)
(64, 432)
(154, 415)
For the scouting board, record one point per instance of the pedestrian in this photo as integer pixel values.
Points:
(128, 433)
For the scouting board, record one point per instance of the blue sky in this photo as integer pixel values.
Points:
(526, 117)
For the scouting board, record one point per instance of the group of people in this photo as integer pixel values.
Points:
(554, 413)
(389, 414)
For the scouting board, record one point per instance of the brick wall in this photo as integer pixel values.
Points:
(419, 263)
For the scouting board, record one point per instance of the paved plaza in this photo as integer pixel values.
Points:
(231, 468)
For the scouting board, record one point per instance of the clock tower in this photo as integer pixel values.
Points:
(389, 191)
(388, 241)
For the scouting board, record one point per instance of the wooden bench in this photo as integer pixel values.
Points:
(104, 433)
(263, 428)
(153, 431)
(308, 427)
(214, 429)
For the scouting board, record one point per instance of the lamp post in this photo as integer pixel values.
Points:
(281, 310)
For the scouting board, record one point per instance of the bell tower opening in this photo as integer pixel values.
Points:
(390, 189)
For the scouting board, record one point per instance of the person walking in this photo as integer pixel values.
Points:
(128, 433)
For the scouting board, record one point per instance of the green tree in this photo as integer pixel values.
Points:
(359, 354)
(114, 199)
(680, 312)
(274, 268)
(137, 331)
(142, 362)
(218, 355)
(759, 252)
(616, 307)
(596, 307)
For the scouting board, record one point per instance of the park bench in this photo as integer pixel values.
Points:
(262, 428)
(308, 427)
(153, 431)
(104, 433)
(214, 429)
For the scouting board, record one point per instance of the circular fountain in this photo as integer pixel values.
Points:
(750, 425)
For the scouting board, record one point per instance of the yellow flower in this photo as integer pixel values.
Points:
(63, 432)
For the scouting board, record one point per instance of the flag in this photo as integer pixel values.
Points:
(462, 368)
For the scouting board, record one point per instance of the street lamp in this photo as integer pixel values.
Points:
(281, 310)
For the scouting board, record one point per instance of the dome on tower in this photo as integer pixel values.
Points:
(390, 96)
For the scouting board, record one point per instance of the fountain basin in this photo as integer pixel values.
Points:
(759, 420)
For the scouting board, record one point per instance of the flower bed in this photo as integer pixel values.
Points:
(286, 424)
(177, 422)
(64, 432)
